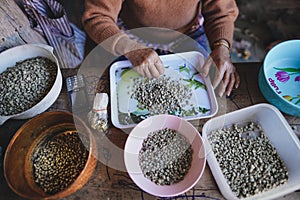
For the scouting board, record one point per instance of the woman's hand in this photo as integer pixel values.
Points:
(226, 74)
(146, 62)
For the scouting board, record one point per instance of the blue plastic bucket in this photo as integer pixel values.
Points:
(279, 77)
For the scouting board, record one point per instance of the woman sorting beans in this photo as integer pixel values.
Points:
(163, 25)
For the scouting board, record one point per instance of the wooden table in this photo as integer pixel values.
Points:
(111, 183)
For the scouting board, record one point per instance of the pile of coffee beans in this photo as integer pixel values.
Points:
(59, 161)
(165, 157)
(22, 86)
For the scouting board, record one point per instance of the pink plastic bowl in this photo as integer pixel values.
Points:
(134, 144)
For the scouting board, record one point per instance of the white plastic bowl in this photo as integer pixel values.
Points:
(279, 133)
(134, 144)
(9, 58)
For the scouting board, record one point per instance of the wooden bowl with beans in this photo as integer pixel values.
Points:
(51, 156)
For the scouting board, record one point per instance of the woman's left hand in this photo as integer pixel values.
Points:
(226, 75)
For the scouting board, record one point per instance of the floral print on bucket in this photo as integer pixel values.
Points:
(285, 76)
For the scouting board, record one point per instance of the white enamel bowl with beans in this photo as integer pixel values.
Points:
(8, 58)
(134, 144)
(278, 133)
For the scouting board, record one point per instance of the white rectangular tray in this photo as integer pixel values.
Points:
(185, 65)
(278, 132)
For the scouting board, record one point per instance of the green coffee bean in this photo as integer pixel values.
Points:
(165, 157)
(59, 161)
(248, 160)
(161, 95)
(25, 84)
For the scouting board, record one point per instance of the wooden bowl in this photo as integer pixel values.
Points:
(18, 159)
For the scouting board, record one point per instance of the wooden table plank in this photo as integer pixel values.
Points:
(15, 29)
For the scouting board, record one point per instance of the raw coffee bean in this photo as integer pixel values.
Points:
(59, 161)
(25, 84)
(161, 95)
(248, 160)
(165, 157)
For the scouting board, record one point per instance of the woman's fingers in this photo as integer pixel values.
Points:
(156, 66)
(146, 62)
(159, 66)
(224, 83)
(225, 75)
(219, 76)
(139, 70)
(219, 72)
(146, 70)
(237, 79)
(206, 67)
(230, 84)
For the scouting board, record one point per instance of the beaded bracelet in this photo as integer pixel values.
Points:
(223, 43)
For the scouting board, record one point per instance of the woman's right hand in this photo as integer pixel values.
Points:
(146, 62)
